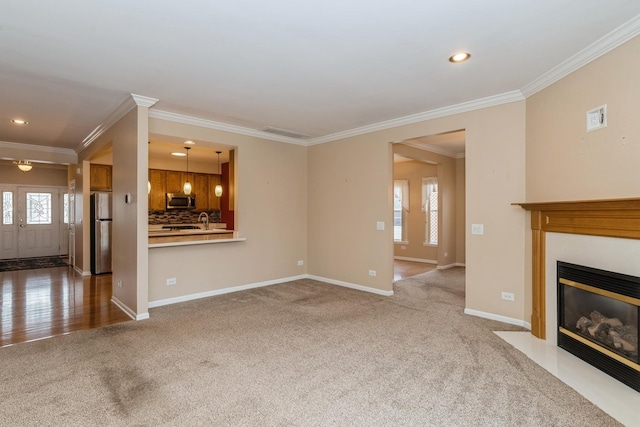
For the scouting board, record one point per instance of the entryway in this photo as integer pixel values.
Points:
(34, 221)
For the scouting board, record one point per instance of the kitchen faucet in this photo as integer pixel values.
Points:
(205, 221)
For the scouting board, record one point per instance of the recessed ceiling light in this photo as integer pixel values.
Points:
(179, 154)
(460, 57)
(19, 121)
(189, 143)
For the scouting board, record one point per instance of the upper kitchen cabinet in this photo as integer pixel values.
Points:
(201, 190)
(174, 182)
(100, 177)
(157, 195)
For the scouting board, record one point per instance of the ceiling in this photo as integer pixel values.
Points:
(317, 68)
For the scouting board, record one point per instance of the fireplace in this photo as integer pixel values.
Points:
(598, 319)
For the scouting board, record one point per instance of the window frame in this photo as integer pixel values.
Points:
(429, 196)
(400, 205)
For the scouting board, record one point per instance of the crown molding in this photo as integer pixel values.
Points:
(477, 104)
(615, 38)
(65, 155)
(211, 124)
(127, 105)
(144, 101)
(464, 107)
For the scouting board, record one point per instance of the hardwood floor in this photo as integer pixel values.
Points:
(404, 269)
(36, 304)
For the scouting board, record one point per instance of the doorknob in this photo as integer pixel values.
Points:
(21, 225)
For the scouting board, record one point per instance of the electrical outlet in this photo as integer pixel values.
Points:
(171, 281)
(372, 273)
(380, 225)
(508, 296)
(301, 262)
(119, 283)
(403, 247)
(446, 254)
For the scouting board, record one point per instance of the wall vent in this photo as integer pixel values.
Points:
(284, 132)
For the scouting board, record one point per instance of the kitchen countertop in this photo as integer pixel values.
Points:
(158, 230)
(194, 234)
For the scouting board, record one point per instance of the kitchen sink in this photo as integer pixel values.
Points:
(181, 227)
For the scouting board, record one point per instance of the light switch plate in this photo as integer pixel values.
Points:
(380, 225)
(477, 228)
(597, 118)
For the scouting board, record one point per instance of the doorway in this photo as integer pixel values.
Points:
(33, 222)
(430, 170)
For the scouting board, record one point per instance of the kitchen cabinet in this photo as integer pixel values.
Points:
(157, 195)
(100, 177)
(174, 182)
(201, 190)
(167, 181)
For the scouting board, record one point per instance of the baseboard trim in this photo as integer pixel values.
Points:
(455, 264)
(426, 261)
(499, 318)
(81, 272)
(190, 297)
(128, 311)
(351, 285)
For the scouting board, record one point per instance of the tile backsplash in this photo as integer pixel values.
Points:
(180, 216)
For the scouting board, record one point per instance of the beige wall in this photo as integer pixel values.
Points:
(414, 171)
(350, 190)
(128, 140)
(564, 162)
(352, 173)
(40, 175)
(271, 213)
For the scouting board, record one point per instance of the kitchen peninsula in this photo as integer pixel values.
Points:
(164, 235)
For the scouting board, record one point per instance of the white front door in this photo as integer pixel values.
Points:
(38, 219)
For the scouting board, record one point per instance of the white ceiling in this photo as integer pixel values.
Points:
(314, 67)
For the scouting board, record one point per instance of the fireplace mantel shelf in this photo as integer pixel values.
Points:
(606, 218)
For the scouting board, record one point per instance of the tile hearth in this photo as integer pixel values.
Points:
(610, 395)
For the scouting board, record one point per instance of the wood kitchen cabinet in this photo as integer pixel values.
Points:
(167, 181)
(201, 190)
(100, 177)
(174, 182)
(157, 195)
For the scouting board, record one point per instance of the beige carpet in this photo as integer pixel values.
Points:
(303, 353)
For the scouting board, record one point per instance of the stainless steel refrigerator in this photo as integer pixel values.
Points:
(101, 233)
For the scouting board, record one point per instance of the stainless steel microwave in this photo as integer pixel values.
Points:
(181, 201)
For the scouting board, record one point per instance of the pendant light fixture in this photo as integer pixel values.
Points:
(218, 189)
(23, 165)
(186, 189)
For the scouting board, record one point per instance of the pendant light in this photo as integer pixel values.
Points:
(23, 165)
(218, 189)
(187, 185)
